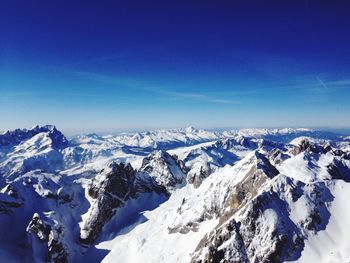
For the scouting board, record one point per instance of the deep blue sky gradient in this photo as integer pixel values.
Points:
(126, 65)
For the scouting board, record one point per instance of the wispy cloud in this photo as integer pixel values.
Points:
(322, 83)
(125, 82)
(169, 94)
(345, 83)
(301, 85)
(202, 97)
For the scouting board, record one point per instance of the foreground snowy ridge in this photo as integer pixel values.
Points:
(186, 195)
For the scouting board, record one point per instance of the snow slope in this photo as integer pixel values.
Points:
(332, 244)
(252, 195)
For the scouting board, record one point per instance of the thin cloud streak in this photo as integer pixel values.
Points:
(137, 86)
(303, 86)
(122, 83)
(322, 83)
(203, 97)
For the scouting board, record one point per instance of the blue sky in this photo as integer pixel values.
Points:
(87, 66)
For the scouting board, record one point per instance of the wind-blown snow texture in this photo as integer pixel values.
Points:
(187, 195)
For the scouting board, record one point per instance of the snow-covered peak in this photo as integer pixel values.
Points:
(12, 138)
(159, 139)
(166, 170)
(257, 195)
(47, 127)
(190, 129)
(216, 193)
(264, 132)
(299, 140)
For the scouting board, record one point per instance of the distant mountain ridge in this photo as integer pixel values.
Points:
(12, 138)
(185, 195)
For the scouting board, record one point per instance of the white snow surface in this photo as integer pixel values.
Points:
(40, 176)
(151, 241)
(332, 245)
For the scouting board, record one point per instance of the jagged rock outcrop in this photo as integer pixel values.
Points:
(249, 186)
(167, 170)
(263, 230)
(113, 187)
(229, 143)
(198, 173)
(305, 145)
(12, 138)
(252, 239)
(26, 150)
(234, 197)
(246, 142)
(277, 156)
(46, 241)
(338, 170)
(108, 190)
(39, 228)
(222, 198)
(204, 161)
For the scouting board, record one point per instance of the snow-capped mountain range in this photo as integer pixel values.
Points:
(186, 195)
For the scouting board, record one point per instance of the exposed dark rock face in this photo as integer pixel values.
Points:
(306, 146)
(196, 178)
(338, 170)
(277, 156)
(247, 142)
(238, 195)
(39, 228)
(319, 215)
(245, 191)
(346, 156)
(255, 209)
(269, 145)
(168, 171)
(336, 152)
(264, 164)
(265, 223)
(180, 163)
(63, 196)
(117, 181)
(109, 190)
(327, 147)
(257, 227)
(113, 187)
(237, 241)
(214, 253)
(57, 252)
(49, 240)
(229, 143)
(202, 162)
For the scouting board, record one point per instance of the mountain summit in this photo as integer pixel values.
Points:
(187, 195)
